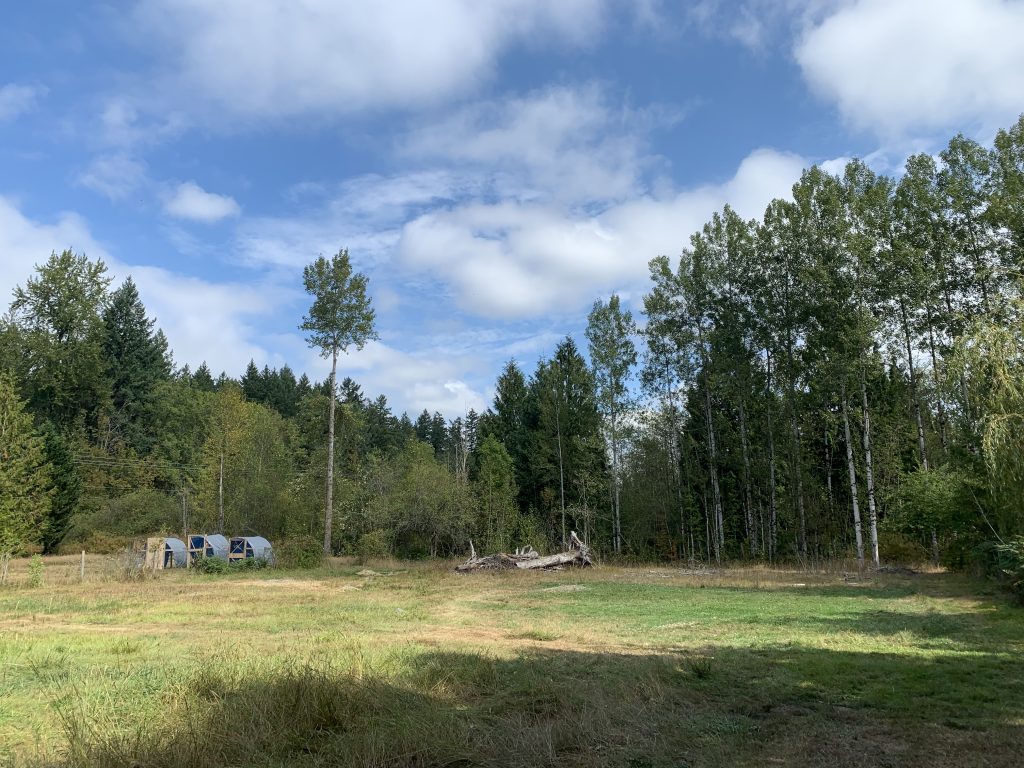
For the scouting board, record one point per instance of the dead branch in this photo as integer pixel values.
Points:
(578, 555)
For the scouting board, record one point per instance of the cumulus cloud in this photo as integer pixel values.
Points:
(282, 58)
(25, 243)
(918, 65)
(16, 100)
(203, 320)
(514, 259)
(192, 202)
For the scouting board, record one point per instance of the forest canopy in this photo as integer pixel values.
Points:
(842, 377)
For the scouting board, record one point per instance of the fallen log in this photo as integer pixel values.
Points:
(578, 555)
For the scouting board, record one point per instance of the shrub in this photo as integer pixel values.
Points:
(35, 571)
(249, 564)
(901, 549)
(210, 565)
(1009, 565)
(299, 552)
(374, 545)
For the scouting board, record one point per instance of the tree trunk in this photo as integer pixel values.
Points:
(716, 490)
(617, 521)
(220, 496)
(329, 513)
(747, 495)
(938, 386)
(797, 457)
(851, 468)
(772, 503)
(913, 387)
(869, 474)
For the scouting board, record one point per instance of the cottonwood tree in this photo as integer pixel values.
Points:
(57, 319)
(340, 317)
(610, 331)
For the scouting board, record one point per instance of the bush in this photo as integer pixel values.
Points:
(35, 571)
(299, 552)
(98, 543)
(210, 565)
(1009, 565)
(249, 564)
(374, 545)
(901, 549)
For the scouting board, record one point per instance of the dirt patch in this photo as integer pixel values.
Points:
(565, 588)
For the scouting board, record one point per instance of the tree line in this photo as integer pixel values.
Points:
(842, 377)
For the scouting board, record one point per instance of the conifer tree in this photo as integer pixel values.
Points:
(25, 475)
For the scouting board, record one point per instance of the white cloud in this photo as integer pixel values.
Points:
(919, 65)
(515, 259)
(25, 243)
(192, 202)
(281, 58)
(17, 100)
(203, 320)
(116, 175)
(565, 143)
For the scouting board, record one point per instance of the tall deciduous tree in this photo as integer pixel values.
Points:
(57, 317)
(341, 317)
(610, 331)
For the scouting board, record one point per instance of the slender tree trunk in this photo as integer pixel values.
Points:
(617, 522)
(869, 474)
(220, 496)
(561, 470)
(716, 490)
(797, 453)
(329, 513)
(938, 386)
(772, 502)
(747, 495)
(851, 468)
(913, 386)
(712, 451)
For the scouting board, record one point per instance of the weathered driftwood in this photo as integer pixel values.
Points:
(527, 559)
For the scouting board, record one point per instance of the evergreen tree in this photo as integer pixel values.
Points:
(136, 361)
(202, 379)
(25, 475)
(67, 487)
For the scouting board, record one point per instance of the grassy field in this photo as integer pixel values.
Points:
(419, 666)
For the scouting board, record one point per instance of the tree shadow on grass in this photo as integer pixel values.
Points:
(717, 707)
(882, 587)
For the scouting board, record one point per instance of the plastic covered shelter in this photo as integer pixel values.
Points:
(244, 547)
(164, 552)
(208, 545)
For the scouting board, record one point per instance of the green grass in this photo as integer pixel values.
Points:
(422, 667)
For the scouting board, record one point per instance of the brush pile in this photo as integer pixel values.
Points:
(578, 555)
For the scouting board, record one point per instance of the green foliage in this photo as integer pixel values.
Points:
(25, 475)
(36, 569)
(56, 317)
(210, 565)
(341, 315)
(298, 552)
(67, 486)
(145, 512)
(374, 545)
(1009, 564)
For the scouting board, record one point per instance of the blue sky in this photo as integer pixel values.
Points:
(493, 166)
